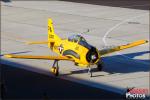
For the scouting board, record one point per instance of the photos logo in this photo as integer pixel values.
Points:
(136, 93)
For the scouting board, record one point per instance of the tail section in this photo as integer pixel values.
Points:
(52, 37)
(51, 34)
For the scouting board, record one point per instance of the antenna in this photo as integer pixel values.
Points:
(88, 30)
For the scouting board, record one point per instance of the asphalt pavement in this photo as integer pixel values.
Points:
(22, 84)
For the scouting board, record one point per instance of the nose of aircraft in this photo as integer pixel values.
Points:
(92, 55)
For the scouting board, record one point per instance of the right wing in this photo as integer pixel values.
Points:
(39, 57)
(122, 47)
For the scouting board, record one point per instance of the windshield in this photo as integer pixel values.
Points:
(80, 40)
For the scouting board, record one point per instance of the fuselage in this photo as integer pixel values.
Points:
(82, 52)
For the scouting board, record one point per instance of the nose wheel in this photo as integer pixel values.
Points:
(55, 68)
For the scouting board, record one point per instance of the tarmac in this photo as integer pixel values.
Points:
(23, 21)
(20, 84)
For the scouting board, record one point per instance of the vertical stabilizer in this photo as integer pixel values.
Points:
(52, 37)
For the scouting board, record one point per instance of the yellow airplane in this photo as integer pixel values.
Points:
(75, 49)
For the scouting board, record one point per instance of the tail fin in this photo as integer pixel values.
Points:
(52, 37)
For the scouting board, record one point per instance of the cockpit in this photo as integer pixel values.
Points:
(80, 40)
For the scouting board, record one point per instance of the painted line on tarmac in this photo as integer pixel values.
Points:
(116, 26)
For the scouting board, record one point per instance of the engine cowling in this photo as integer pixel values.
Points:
(92, 55)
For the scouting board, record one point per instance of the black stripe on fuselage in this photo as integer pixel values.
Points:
(72, 53)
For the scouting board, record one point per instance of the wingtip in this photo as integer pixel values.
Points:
(8, 56)
(146, 41)
(142, 41)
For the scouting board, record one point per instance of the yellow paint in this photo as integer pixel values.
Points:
(42, 42)
(133, 44)
(122, 47)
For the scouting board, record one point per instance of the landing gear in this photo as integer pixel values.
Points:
(90, 71)
(55, 69)
(100, 66)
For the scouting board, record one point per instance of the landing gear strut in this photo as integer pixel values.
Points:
(90, 71)
(55, 69)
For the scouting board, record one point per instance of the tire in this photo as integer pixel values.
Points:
(57, 72)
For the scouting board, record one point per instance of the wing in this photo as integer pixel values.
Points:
(39, 57)
(122, 47)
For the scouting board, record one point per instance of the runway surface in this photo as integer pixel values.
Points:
(23, 21)
(23, 84)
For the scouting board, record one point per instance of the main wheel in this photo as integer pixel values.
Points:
(55, 71)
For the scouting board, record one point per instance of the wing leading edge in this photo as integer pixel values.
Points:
(122, 47)
(39, 57)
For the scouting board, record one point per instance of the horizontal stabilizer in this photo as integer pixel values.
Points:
(38, 42)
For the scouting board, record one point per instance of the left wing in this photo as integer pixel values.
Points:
(122, 47)
(39, 57)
